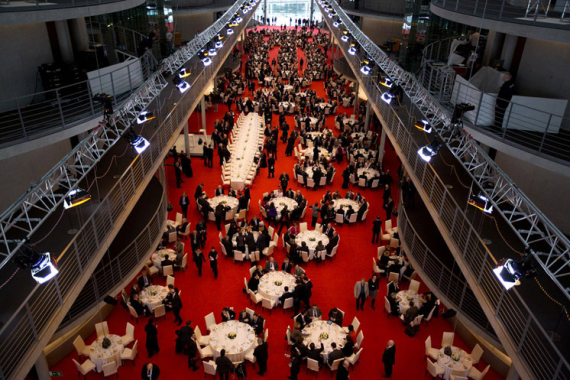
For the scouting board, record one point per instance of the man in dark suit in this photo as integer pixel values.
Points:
(333, 241)
(261, 355)
(284, 178)
(178, 173)
(219, 190)
(394, 306)
(388, 206)
(285, 295)
(393, 288)
(411, 313)
(271, 167)
(389, 358)
(198, 192)
(335, 353)
(224, 366)
(315, 353)
(342, 371)
(192, 353)
(303, 319)
(257, 323)
(376, 229)
(144, 280)
(315, 313)
(287, 266)
(271, 265)
(228, 314)
(184, 202)
(139, 308)
(184, 336)
(150, 372)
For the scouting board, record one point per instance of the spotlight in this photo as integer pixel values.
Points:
(75, 197)
(352, 49)
(386, 82)
(510, 272)
(203, 54)
(387, 97)
(238, 18)
(181, 84)
(106, 101)
(212, 52)
(428, 151)
(345, 36)
(219, 43)
(337, 23)
(40, 264)
(138, 142)
(365, 67)
(183, 73)
(424, 125)
(151, 7)
(459, 110)
(481, 202)
(145, 116)
(229, 31)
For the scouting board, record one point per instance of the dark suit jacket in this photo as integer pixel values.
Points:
(389, 355)
(316, 354)
(141, 281)
(342, 372)
(184, 202)
(261, 352)
(154, 375)
(257, 325)
(224, 364)
(286, 267)
(334, 355)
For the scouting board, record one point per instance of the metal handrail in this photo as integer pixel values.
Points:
(533, 135)
(45, 307)
(342, 67)
(54, 4)
(523, 335)
(121, 38)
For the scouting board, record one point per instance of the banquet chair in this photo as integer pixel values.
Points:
(159, 311)
(288, 335)
(210, 368)
(85, 368)
(475, 374)
(223, 250)
(238, 256)
(434, 369)
(381, 251)
(129, 334)
(205, 352)
(305, 256)
(227, 227)
(151, 270)
(230, 215)
(269, 250)
(133, 313)
(184, 263)
(352, 179)
(202, 340)
(254, 256)
(334, 366)
(210, 320)
(313, 365)
(414, 286)
(387, 306)
(303, 227)
(430, 315)
(365, 215)
(333, 252)
(394, 243)
(447, 339)
(251, 271)
(242, 214)
(359, 339)
(301, 180)
(411, 277)
(352, 219)
(287, 304)
(167, 271)
(339, 218)
(178, 218)
(362, 182)
(322, 256)
(186, 232)
(353, 359)
(310, 183)
(270, 230)
(319, 228)
(394, 277)
(172, 236)
(455, 377)
(169, 280)
(102, 329)
(255, 298)
(386, 236)
(265, 334)
(267, 303)
(130, 354)
(429, 350)
(475, 354)
(80, 347)
(110, 369)
(416, 321)
(375, 184)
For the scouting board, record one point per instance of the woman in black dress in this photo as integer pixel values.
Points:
(151, 338)
(199, 260)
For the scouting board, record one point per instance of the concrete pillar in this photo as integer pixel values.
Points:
(79, 36)
(382, 143)
(311, 14)
(508, 50)
(264, 11)
(64, 41)
(512, 374)
(367, 119)
(493, 47)
(42, 367)
(356, 90)
(186, 139)
(203, 108)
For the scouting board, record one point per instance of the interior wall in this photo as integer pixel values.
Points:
(19, 173)
(543, 72)
(379, 31)
(384, 6)
(193, 3)
(189, 25)
(546, 189)
(26, 47)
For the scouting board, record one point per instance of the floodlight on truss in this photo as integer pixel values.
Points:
(481, 202)
(345, 37)
(428, 151)
(183, 73)
(352, 49)
(424, 125)
(365, 66)
(138, 142)
(40, 264)
(181, 84)
(145, 116)
(386, 82)
(75, 197)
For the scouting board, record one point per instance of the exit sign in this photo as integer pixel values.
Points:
(55, 374)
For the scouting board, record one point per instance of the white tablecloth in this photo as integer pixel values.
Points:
(403, 299)
(450, 367)
(343, 202)
(237, 347)
(280, 202)
(288, 87)
(101, 356)
(245, 144)
(347, 121)
(314, 333)
(309, 171)
(358, 135)
(158, 256)
(369, 173)
(153, 295)
(324, 105)
(366, 153)
(234, 240)
(322, 152)
(226, 200)
(311, 238)
(268, 287)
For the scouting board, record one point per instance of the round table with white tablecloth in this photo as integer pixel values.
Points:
(311, 238)
(349, 122)
(357, 135)
(404, 297)
(344, 203)
(268, 80)
(324, 105)
(101, 356)
(158, 256)
(153, 295)
(288, 87)
(235, 337)
(367, 154)
(458, 364)
(287, 106)
(225, 200)
(308, 153)
(309, 171)
(281, 202)
(368, 173)
(318, 332)
(272, 285)
(234, 240)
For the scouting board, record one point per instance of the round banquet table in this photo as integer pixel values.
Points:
(287, 105)
(402, 298)
(268, 80)
(309, 171)
(308, 153)
(226, 200)
(312, 135)
(347, 121)
(450, 367)
(288, 87)
(312, 333)
(101, 356)
(324, 105)
(358, 135)
(368, 173)
(269, 289)
(234, 240)
(366, 153)
(280, 202)
(158, 256)
(235, 348)
(307, 236)
(314, 121)
(344, 203)
(153, 295)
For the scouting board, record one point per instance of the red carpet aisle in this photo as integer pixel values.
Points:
(333, 286)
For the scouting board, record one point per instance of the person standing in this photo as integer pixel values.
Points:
(192, 352)
(361, 292)
(186, 163)
(284, 178)
(178, 174)
(342, 371)
(296, 360)
(184, 202)
(389, 358)
(271, 167)
(199, 259)
(151, 338)
(503, 99)
(213, 256)
(376, 229)
(316, 210)
(261, 356)
(150, 371)
(373, 285)
(176, 306)
(224, 366)
(388, 206)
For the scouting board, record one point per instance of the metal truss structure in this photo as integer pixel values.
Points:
(532, 227)
(30, 211)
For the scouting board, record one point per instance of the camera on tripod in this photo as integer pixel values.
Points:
(459, 110)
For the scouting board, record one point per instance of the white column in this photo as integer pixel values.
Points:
(64, 40)
(42, 368)
(203, 107)
(186, 139)
(382, 144)
(367, 119)
(79, 35)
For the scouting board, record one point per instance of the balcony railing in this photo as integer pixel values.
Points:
(52, 4)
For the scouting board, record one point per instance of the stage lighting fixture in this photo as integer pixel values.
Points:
(151, 7)
(183, 73)
(181, 84)
(387, 97)
(365, 67)
(481, 202)
(428, 151)
(345, 36)
(219, 41)
(203, 54)
(212, 52)
(508, 273)
(145, 116)
(229, 31)
(352, 49)
(138, 142)
(459, 110)
(424, 125)
(238, 18)
(106, 101)
(75, 197)
(40, 264)
(337, 23)
(386, 82)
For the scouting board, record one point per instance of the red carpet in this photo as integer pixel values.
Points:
(333, 285)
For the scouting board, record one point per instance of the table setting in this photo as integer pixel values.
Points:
(281, 202)
(245, 147)
(454, 361)
(311, 238)
(161, 255)
(152, 296)
(325, 332)
(235, 337)
(368, 173)
(404, 297)
(344, 203)
(272, 285)
(106, 349)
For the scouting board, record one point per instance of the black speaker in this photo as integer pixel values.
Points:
(110, 300)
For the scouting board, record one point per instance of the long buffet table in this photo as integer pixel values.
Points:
(247, 138)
